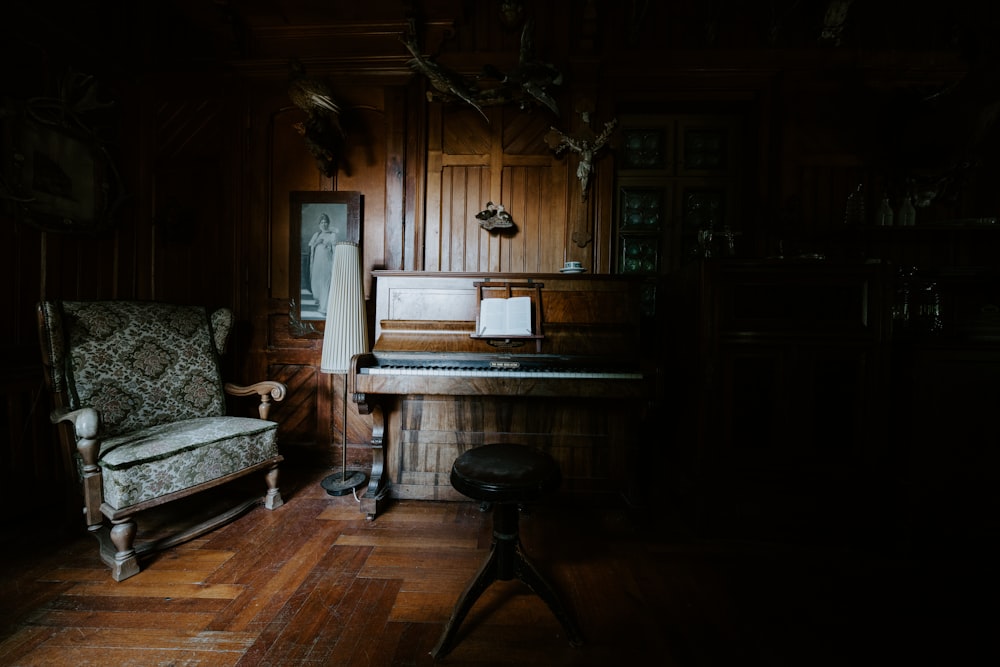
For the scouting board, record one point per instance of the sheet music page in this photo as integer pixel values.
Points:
(505, 317)
(519, 315)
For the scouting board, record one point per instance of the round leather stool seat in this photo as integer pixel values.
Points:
(505, 473)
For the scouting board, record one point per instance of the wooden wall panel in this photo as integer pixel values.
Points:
(508, 163)
(464, 192)
(290, 168)
(298, 410)
(193, 212)
(395, 250)
(540, 246)
(78, 267)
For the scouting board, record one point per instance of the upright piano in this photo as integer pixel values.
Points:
(577, 387)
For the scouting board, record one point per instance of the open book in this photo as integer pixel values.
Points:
(505, 317)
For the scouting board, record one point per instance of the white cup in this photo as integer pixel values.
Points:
(572, 265)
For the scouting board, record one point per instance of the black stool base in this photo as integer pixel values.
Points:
(506, 561)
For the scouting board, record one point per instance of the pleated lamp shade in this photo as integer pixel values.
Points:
(346, 331)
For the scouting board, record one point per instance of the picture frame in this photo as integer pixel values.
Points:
(60, 177)
(311, 250)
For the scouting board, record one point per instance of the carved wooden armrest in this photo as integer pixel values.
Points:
(86, 423)
(267, 390)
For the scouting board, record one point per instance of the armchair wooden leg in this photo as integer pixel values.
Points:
(273, 498)
(126, 563)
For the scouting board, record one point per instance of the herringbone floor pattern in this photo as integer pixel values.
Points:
(314, 583)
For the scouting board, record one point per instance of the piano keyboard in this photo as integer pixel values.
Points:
(481, 372)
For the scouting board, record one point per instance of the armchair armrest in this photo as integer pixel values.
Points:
(86, 423)
(267, 390)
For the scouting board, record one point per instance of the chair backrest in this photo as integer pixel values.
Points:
(138, 363)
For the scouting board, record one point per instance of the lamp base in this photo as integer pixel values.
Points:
(342, 483)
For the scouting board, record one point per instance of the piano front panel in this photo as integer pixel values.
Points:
(584, 436)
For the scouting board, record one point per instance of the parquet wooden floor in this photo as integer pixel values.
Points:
(314, 583)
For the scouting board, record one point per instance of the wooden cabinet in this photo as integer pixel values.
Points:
(837, 402)
(949, 465)
(793, 401)
(946, 366)
(678, 187)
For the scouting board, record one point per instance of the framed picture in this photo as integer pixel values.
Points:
(317, 222)
(60, 177)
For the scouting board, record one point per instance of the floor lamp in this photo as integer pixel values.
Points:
(346, 334)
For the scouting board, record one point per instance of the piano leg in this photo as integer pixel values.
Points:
(377, 495)
(371, 507)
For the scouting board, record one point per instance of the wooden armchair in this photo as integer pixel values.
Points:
(139, 388)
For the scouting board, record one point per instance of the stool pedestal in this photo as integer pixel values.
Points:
(482, 475)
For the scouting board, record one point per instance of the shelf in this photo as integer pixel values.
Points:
(933, 227)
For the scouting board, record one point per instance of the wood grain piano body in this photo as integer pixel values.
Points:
(588, 437)
(589, 424)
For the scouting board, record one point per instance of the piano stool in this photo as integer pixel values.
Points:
(505, 475)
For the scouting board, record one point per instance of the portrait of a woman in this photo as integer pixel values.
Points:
(321, 262)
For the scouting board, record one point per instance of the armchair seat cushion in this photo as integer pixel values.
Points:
(162, 459)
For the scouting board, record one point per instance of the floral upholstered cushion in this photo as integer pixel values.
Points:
(140, 364)
(162, 459)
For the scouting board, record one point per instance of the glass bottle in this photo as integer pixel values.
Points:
(901, 303)
(854, 212)
(884, 213)
(929, 308)
(907, 214)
